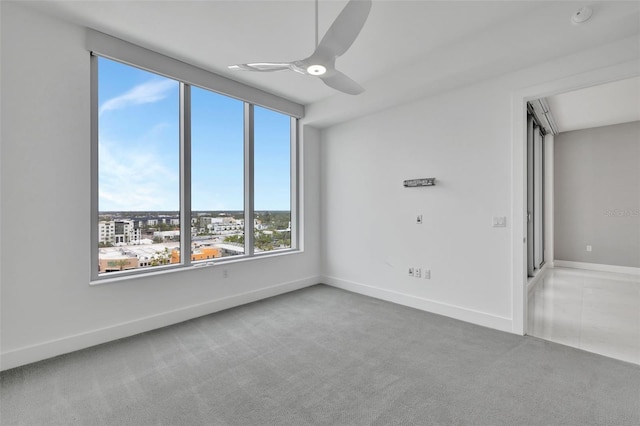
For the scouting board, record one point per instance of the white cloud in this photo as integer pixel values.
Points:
(148, 92)
(136, 178)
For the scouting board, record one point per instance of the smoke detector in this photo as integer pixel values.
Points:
(582, 15)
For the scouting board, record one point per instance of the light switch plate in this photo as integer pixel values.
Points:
(499, 221)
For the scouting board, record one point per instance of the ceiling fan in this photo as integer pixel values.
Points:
(322, 62)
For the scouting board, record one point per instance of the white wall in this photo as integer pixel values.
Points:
(47, 305)
(597, 195)
(369, 217)
(465, 139)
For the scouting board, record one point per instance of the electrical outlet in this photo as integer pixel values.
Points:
(225, 273)
(411, 272)
(589, 248)
(418, 273)
(419, 219)
(427, 274)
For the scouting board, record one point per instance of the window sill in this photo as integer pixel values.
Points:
(163, 270)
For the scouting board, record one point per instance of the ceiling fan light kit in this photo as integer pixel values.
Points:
(316, 69)
(337, 40)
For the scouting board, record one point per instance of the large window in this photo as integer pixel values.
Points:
(183, 169)
(217, 174)
(272, 208)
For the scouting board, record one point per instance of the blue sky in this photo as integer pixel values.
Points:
(138, 159)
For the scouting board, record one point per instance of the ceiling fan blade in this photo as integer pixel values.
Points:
(262, 66)
(339, 81)
(338, 39)
(344, 30)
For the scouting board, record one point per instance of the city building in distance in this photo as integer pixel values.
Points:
(132, 240)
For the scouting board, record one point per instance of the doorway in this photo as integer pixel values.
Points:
(519, 252)
(586, 294)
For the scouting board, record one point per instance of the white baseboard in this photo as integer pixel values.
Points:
(457, 312)
(49, 349)
(597, 267)
(533, 282)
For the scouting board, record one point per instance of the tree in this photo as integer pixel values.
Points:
(237, 239)
(263, 241)
(122, 263)
(161, 257)
(265, 217)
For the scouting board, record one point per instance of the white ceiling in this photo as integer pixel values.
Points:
(604, 105)
(406, 50)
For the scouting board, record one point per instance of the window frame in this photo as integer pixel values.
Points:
(185, 179)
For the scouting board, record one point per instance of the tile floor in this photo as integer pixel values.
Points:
(595, 311)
